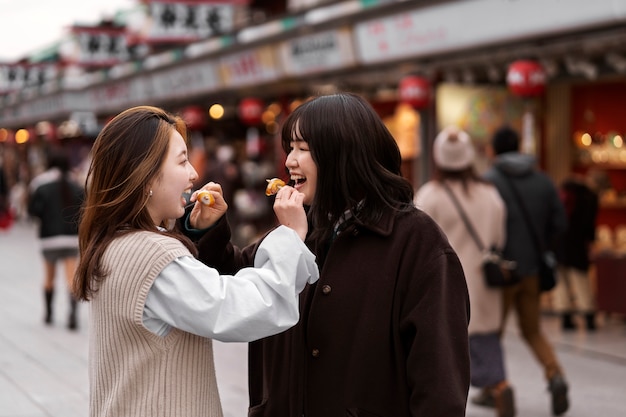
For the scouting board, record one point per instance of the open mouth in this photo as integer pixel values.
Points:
(298, 181)
(186, 195)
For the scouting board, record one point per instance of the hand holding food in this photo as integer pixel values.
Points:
(273, 186)
(206, 198)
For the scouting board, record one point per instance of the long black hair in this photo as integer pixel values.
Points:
(358, 160)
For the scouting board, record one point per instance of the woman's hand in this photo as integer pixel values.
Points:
(289, 209)
(202, 215)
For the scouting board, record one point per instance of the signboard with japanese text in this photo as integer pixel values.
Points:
(15, 77)
(184, 81)
(319, 52)
(95, 46)
(457, 25)
(172, 21)
(249, 67)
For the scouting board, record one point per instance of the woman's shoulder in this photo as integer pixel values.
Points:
(146, 238)
(426, 193)
(417, 220)
(485, 187)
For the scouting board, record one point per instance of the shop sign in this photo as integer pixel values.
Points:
(15, 77)
(320, 52)
(116, 95)
(95, 46)
(457, 25)
(185, 80)
(182, 20)
(41, 108)
(249, 67)
(526, 78)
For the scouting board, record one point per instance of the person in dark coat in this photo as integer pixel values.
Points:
(573, 291)
(55, 201)
(384, 330)
(541, 199)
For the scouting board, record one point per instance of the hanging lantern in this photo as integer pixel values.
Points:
(194, 117)
(415, 91)
(251, 111)
(526, 78)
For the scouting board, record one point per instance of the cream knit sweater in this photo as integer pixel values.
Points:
(132, 371)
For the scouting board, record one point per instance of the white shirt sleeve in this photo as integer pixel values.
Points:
(252, 304)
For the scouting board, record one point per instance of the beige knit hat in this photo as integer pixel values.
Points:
(453, 149)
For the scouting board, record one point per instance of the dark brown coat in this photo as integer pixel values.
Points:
(382, 333)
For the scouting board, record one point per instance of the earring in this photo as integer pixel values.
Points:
(150, 194)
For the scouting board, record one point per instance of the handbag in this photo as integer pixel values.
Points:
(547, 258)
(498, 272)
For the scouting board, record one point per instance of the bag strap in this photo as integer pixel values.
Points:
(529, 223)
(464, 217)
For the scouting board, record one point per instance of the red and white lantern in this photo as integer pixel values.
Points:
(526, 78)
(251, 111)
(415, 91)
(194, 117)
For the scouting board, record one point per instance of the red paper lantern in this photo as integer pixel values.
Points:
(415, 91)
(526, 78)
(250, 110)
(194, 117)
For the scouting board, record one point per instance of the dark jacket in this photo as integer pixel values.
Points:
(382, 333)
(542, 201)
(58, 213)
(581, 206)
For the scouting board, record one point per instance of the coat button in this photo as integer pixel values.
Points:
(315, 353)
(326, 289)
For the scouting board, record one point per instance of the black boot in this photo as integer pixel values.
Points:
(72, 323)
(48, 296)
(566, 322)
(590, 320)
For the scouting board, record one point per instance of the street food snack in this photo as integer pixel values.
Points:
(273, 186)
(206, 198)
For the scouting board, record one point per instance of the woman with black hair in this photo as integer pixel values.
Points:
(55, 200)
(384, 330)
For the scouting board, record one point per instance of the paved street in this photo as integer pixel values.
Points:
(43, 370)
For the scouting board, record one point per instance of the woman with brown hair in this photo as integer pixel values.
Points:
(154, 307)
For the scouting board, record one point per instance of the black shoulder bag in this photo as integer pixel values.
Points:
(498, 272)
(547, 259)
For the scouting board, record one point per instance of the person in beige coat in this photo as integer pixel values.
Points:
(455, 177)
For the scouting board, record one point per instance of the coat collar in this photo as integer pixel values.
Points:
(384, 227)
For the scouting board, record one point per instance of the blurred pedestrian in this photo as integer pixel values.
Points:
(573, 293)
(6, 218)
(55, 199)
(511, 168)
(154, 307)
(384, 331)
(456, 186)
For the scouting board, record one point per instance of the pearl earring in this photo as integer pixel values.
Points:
(150, 195)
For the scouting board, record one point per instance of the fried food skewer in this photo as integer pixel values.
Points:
(205, 198)
(273, 186)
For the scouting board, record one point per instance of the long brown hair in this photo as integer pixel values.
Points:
(127, 155)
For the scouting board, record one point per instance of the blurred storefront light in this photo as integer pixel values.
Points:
(22, 136)
(216, 111)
